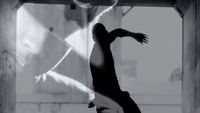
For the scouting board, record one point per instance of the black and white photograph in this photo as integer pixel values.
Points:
(99, 56)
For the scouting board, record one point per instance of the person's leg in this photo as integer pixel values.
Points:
(128, 105)
(106, 105)
(103, 109)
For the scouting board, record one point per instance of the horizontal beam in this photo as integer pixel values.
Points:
(160, 3)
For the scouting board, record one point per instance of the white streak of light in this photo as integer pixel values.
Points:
(79, 41)
(66, 81)
(67, 52)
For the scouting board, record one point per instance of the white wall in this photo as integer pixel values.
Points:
(163, 53)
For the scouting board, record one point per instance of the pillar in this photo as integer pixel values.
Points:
(8, 10)
(191, 57)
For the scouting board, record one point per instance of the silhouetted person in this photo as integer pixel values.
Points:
(103, 71)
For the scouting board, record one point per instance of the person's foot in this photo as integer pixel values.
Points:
(91, 104)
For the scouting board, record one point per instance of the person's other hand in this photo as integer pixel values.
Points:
(141, 38)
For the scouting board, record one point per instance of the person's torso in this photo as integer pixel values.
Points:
(103, 70)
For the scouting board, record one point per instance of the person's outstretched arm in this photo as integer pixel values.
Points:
(140, 37)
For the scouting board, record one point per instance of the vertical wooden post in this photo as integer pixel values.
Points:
(191, 58)
(197, 75)
(8, 9)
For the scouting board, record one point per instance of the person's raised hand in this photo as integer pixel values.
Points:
(141, 38)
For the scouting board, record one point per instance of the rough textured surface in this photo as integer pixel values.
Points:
(7, 55)
(197, 93)
(191, 78)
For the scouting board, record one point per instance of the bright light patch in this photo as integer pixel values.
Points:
(30, 36)
(79, 41)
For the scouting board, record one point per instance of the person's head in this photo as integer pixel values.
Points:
(99, 32)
